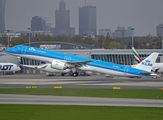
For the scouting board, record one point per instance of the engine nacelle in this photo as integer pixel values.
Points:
(58, 65)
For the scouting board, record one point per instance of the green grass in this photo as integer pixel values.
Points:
(122, 93)
(56, 112)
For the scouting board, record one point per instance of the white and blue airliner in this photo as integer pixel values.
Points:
(62, 61)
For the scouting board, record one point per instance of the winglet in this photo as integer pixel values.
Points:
(147, 63)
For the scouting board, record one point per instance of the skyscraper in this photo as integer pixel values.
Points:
(2, 15)
(87, 20)
(37, 24)
(62, 21)
(159, 30)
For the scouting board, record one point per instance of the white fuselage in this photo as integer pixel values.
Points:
(9, 67)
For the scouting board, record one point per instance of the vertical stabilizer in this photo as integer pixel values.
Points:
(147, 63)
(136, 55)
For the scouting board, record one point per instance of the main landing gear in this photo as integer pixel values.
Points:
(75, 74)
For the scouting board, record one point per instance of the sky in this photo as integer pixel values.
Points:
(142, 15)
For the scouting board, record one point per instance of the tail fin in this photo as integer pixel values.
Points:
(136, 55)
(147, 63)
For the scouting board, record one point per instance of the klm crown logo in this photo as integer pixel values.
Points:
(147, 63)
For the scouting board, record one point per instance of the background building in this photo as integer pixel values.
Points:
(104, 32)
(2, 15)
(38, 24)
(62, 21)
(87, 20)
(159, 30)
(122, 30)
(128, 32)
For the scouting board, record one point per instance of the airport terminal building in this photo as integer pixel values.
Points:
(119, 56)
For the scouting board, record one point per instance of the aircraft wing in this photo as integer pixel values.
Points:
(36, 66)
(79, 64)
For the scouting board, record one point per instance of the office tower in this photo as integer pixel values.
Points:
(62, 21)
(122, 30)
(87, 20)
(159, 30)
(38, 24)
(2, 15)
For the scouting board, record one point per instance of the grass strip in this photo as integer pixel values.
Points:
(58, 112)
(88, 92)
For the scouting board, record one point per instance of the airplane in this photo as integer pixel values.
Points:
(62, 61)
(157, 67)
(47, 68)
(9, 67)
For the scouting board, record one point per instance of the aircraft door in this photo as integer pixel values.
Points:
(23, 51)
(126, 70)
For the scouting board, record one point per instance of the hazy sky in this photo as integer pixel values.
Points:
(143, 15)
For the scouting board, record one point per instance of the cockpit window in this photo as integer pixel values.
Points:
(15, 47)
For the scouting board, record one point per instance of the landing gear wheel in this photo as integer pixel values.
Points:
(75, 74)
(62, 74)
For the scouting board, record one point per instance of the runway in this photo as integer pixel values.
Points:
(59, 100)
(96, 81)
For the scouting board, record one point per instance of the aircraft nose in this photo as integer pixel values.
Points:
(8, 50)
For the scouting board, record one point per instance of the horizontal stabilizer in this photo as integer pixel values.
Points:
(80, 63)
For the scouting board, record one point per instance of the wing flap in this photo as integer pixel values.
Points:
(78, 64)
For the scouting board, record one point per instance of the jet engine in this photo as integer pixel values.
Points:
(58, 65)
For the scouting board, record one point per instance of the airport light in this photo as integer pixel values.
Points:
(132, 29)
(8, 40)
(162, 39)
(29, 35)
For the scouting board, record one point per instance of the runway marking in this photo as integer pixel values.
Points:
(34, 86)
(57, 86)
(115, 88)
(28, 87)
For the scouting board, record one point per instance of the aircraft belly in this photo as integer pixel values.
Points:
(107, 71)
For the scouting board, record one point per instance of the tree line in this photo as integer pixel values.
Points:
(147, 42)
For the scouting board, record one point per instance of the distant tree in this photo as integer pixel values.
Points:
(156, 42)
(115, 45)
(100, 41)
